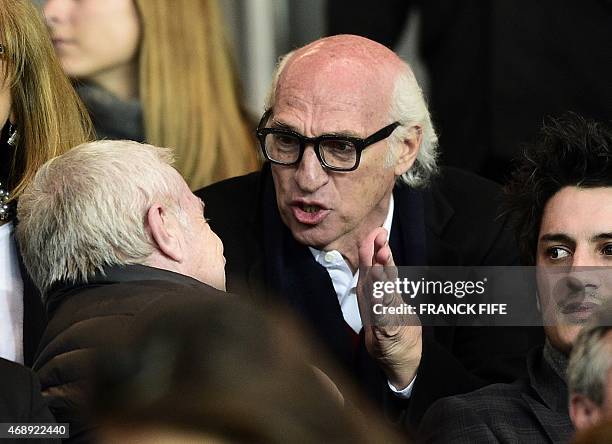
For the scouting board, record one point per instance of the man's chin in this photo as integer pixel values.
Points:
(562, 336)
(310, 236)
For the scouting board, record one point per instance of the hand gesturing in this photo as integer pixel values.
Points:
(393, 340)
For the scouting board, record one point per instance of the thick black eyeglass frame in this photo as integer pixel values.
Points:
(360, 144)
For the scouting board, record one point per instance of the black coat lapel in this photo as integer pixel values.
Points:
(438, 214)
(408, 239)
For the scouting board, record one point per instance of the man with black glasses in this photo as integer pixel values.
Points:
(350, 148)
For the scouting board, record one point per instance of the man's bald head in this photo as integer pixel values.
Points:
(364, 73)
(354, 46)
(363, 63)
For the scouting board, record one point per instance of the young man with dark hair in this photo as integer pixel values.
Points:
(560, 199)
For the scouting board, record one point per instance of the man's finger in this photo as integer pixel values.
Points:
(370, 245)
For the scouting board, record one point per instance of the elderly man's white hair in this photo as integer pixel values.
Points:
(591, 357)
(86, 209)
(407, 107)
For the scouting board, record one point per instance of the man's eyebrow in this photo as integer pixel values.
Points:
(342, 133)
(557, 237)
(601, 237)
(281, 125)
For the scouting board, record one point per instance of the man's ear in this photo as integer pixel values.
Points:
(583, 412)
(163, 227)
(408, 150)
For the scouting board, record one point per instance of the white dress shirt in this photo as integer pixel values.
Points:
(11, 298)
(345, 284)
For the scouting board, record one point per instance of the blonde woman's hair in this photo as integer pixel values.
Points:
(188, 90)
(49, 116)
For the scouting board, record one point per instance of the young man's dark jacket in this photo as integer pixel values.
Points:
(104, 312)
(531, 410)
(452, 222)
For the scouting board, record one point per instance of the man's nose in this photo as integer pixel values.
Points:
(310, 174)
(586, 266)
(584, 271)
(581, 280)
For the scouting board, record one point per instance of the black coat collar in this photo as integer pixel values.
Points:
(115, 274)
(438, 215)
(438, 210)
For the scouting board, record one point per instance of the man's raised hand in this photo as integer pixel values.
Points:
(393, 340)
